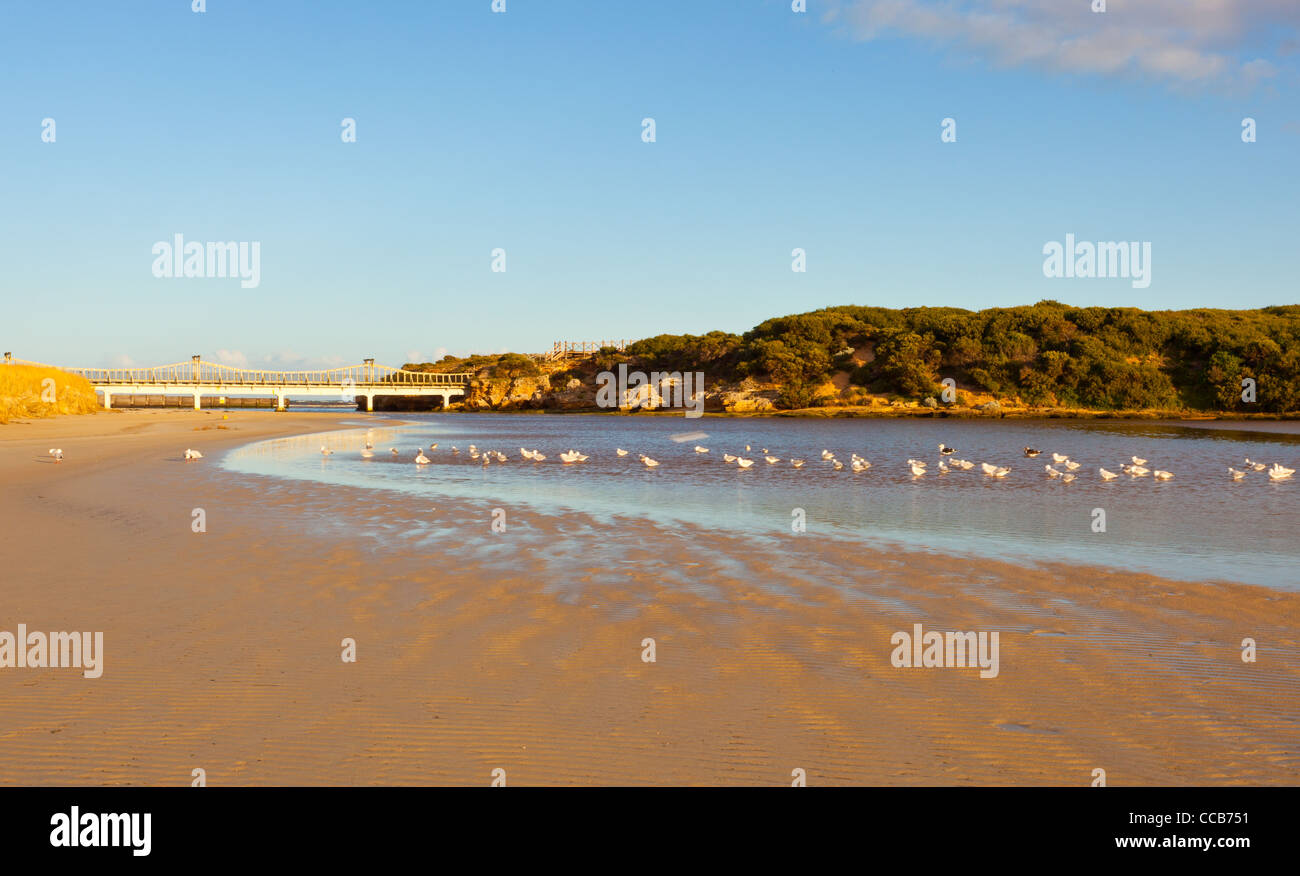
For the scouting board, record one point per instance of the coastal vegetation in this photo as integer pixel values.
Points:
(28, 392)
(1043, 356)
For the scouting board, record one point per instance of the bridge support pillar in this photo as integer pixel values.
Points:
(370, 402)
(279, 401)
(196, 401)
(108, 400)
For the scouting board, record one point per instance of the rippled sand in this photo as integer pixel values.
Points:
(522, 650)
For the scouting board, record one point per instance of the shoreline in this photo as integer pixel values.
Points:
(222, 648)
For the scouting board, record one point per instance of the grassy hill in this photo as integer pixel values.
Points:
(28, 391)
(1047, 355)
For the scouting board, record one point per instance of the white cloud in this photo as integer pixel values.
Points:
(1184, 41)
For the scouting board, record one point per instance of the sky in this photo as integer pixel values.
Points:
(523, 131)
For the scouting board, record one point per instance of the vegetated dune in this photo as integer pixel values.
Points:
(29, 391)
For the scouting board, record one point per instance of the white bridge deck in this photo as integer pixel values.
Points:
(199, 378)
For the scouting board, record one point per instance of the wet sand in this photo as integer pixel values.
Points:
(480, 650)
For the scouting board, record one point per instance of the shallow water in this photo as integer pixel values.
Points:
(1199, 526)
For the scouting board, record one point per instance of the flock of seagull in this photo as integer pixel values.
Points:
(1137, 468)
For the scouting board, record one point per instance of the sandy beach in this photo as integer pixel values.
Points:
(222, 648)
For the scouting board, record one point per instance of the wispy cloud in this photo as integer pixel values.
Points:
(1189, 42)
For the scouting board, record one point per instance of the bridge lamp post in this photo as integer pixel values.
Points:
(197, 371)
(370, 379)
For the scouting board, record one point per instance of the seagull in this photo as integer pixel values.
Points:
(746, 446)
(192, 454)
(922, 463)
(946, 450)
(966, 464)
(699, 449)
(1001, 472)
(1137, 461)
(1279, 473)
(57, 454)
(1162, 475)
(988, 469)
(1051, 472)
(454, 449)
(1138, 471)
(863, 465)
(473, 454)
(501, 457)
(943, 467)
(1056, 457)
(772, 460)
(393, 450)
(1236, 475)
(620, 451)
(1065, 479)
(472, 448)
(1031, 452)
(421, 459)
(538, 456)
(649, 463)
(797, 463)
(917, 470)
(1071, 464)
(433, 447)
(742, 462)
(839, 466)
(525, 453)
(826, 454)
(727, 457)
(1107, 475)
(325, 451)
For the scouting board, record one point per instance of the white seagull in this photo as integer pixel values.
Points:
(421, 459)
(1236, 475)
(699, 449)
(1107, 475)
(744, 463)
(1162, 475)
(620, 451)
(192, 454)
(649, 463)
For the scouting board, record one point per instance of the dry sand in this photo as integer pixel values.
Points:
(480, 651)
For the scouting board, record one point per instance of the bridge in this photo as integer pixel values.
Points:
(199, 378)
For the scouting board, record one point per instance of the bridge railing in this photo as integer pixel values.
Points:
(198, 371)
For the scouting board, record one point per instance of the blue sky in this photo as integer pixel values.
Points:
(522, 130)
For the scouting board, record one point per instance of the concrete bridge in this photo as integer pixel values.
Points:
(199, 378)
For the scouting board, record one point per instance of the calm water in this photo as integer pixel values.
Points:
(1201, 525)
